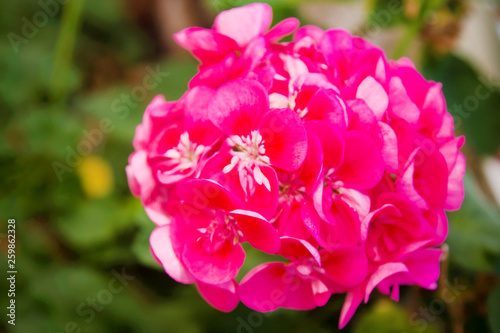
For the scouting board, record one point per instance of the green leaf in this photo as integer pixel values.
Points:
(94, 223)
(474, 230)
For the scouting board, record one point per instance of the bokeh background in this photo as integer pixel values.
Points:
(75, 77)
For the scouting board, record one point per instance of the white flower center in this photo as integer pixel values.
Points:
(186, 154)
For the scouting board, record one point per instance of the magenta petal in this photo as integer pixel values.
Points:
(200, 128)
(389, 148)
(321, 292)
(347, 221)
(206, 194)
(324, 232)
(283, 28)
(262, 200)
(374, 95)
(206, 45)
(257, 230)
(223, 297)
(285, 139)
(213, 268)
(383, 272)
(244, 23)
(216, 74)
(331, 141)
(401, 104)
(162, 249)
(346, 265)
(305, 294)
(312, 31)
(361, 171)
(294, 249)
(431, 177)
(456, 191)
(269, 286)
(264, 288)
(238, 107)
(362, 117)
(352, 300)
(424, 267)
(313, 163)
(326, 105)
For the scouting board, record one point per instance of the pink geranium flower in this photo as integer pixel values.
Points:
(319, 151)
(208, 229)
(257, 136)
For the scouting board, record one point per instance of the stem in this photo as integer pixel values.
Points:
(405, 42)
(70, 23)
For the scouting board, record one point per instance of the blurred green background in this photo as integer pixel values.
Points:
(68, 71)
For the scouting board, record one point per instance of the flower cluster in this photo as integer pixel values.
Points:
(319, 151)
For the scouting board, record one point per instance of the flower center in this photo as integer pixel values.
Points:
(332, 182)
(248, 148)
(222, 228)
(248, 152)
(303, 267)
(291, 188)
(185, 155)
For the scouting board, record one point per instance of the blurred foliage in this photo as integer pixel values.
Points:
(67, 127)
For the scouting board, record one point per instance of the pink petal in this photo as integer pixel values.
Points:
(208, 46)
(331, 141)
(285, 139)
(431, 177)
(200, 128)
(244, 23)
(383, 272)
(360, 171)
(326, 105)
(294, 249)
(264, 287)
(385, 210)
(345, 265)
(346, 220)
(257, 230)
(401, 104)
(389, 148)
(313, 163)
(439, 221)
(324, 232)
(238, 107)
(337, 47)
(206, 194)
(424, 267)
(374, 95)
(305, 294)
(269, 286)
(213, 268)
(362, 117)
(262, 200)
(456, 192)
(312, 31)
(223, 297)
(162, 249)
(216, 74)
(139, 175)
(352, 301)
(283, 28)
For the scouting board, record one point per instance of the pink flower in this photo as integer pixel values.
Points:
(350, 158)
(306, 281)
(207, 232)
(257, 136)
